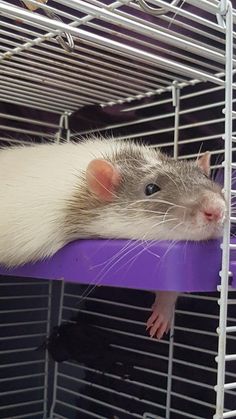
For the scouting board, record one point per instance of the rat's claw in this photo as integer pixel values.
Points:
(167, 328)
(163, 329)
(152, 319)
(159, 323)
(159, 327)
(162, 313)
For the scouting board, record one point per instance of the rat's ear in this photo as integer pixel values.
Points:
(102, 179)
(204, 163)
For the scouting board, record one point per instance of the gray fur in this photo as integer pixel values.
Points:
(183, 187)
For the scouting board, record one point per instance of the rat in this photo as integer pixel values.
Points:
(52, 194)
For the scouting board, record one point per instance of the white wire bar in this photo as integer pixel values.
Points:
(114, 18)
(120, 327)
(33, 48)
(51, 49)
(24, 324)
(205, 106)
(222, 357)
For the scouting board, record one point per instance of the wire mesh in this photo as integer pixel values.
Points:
(24, 310)
(144, 53)
(99, 393)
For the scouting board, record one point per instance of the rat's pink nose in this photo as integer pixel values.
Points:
(213, 214)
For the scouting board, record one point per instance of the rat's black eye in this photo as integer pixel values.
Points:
(152, 188)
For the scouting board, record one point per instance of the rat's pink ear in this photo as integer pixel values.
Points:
(102, 179)
(204, 163)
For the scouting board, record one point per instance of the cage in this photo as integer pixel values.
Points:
(161, 72)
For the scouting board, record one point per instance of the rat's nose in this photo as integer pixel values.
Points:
(213, 214)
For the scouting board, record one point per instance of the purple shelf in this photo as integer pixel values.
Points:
(192, 266)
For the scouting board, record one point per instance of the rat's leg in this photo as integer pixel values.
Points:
(162, 313)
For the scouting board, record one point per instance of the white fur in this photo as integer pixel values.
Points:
(37, 182)
(29, 194)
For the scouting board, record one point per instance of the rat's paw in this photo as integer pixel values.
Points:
(162, 313)
(157, 325)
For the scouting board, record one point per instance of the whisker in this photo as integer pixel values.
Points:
(157, 201)
(136, 210)
(130, 249)
(100, 276)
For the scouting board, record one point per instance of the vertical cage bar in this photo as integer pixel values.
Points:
(170, 369)
(176, 104)
(227, 6)
(56, 364)
(63, 132)
(46, 370)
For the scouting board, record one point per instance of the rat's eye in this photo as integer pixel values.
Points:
(152, 188)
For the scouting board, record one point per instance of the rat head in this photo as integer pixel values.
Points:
(138, 193)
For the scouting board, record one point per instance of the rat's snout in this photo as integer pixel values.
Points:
(213, 209)
(213, 213)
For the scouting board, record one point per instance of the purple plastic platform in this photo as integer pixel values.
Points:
(186, 266)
